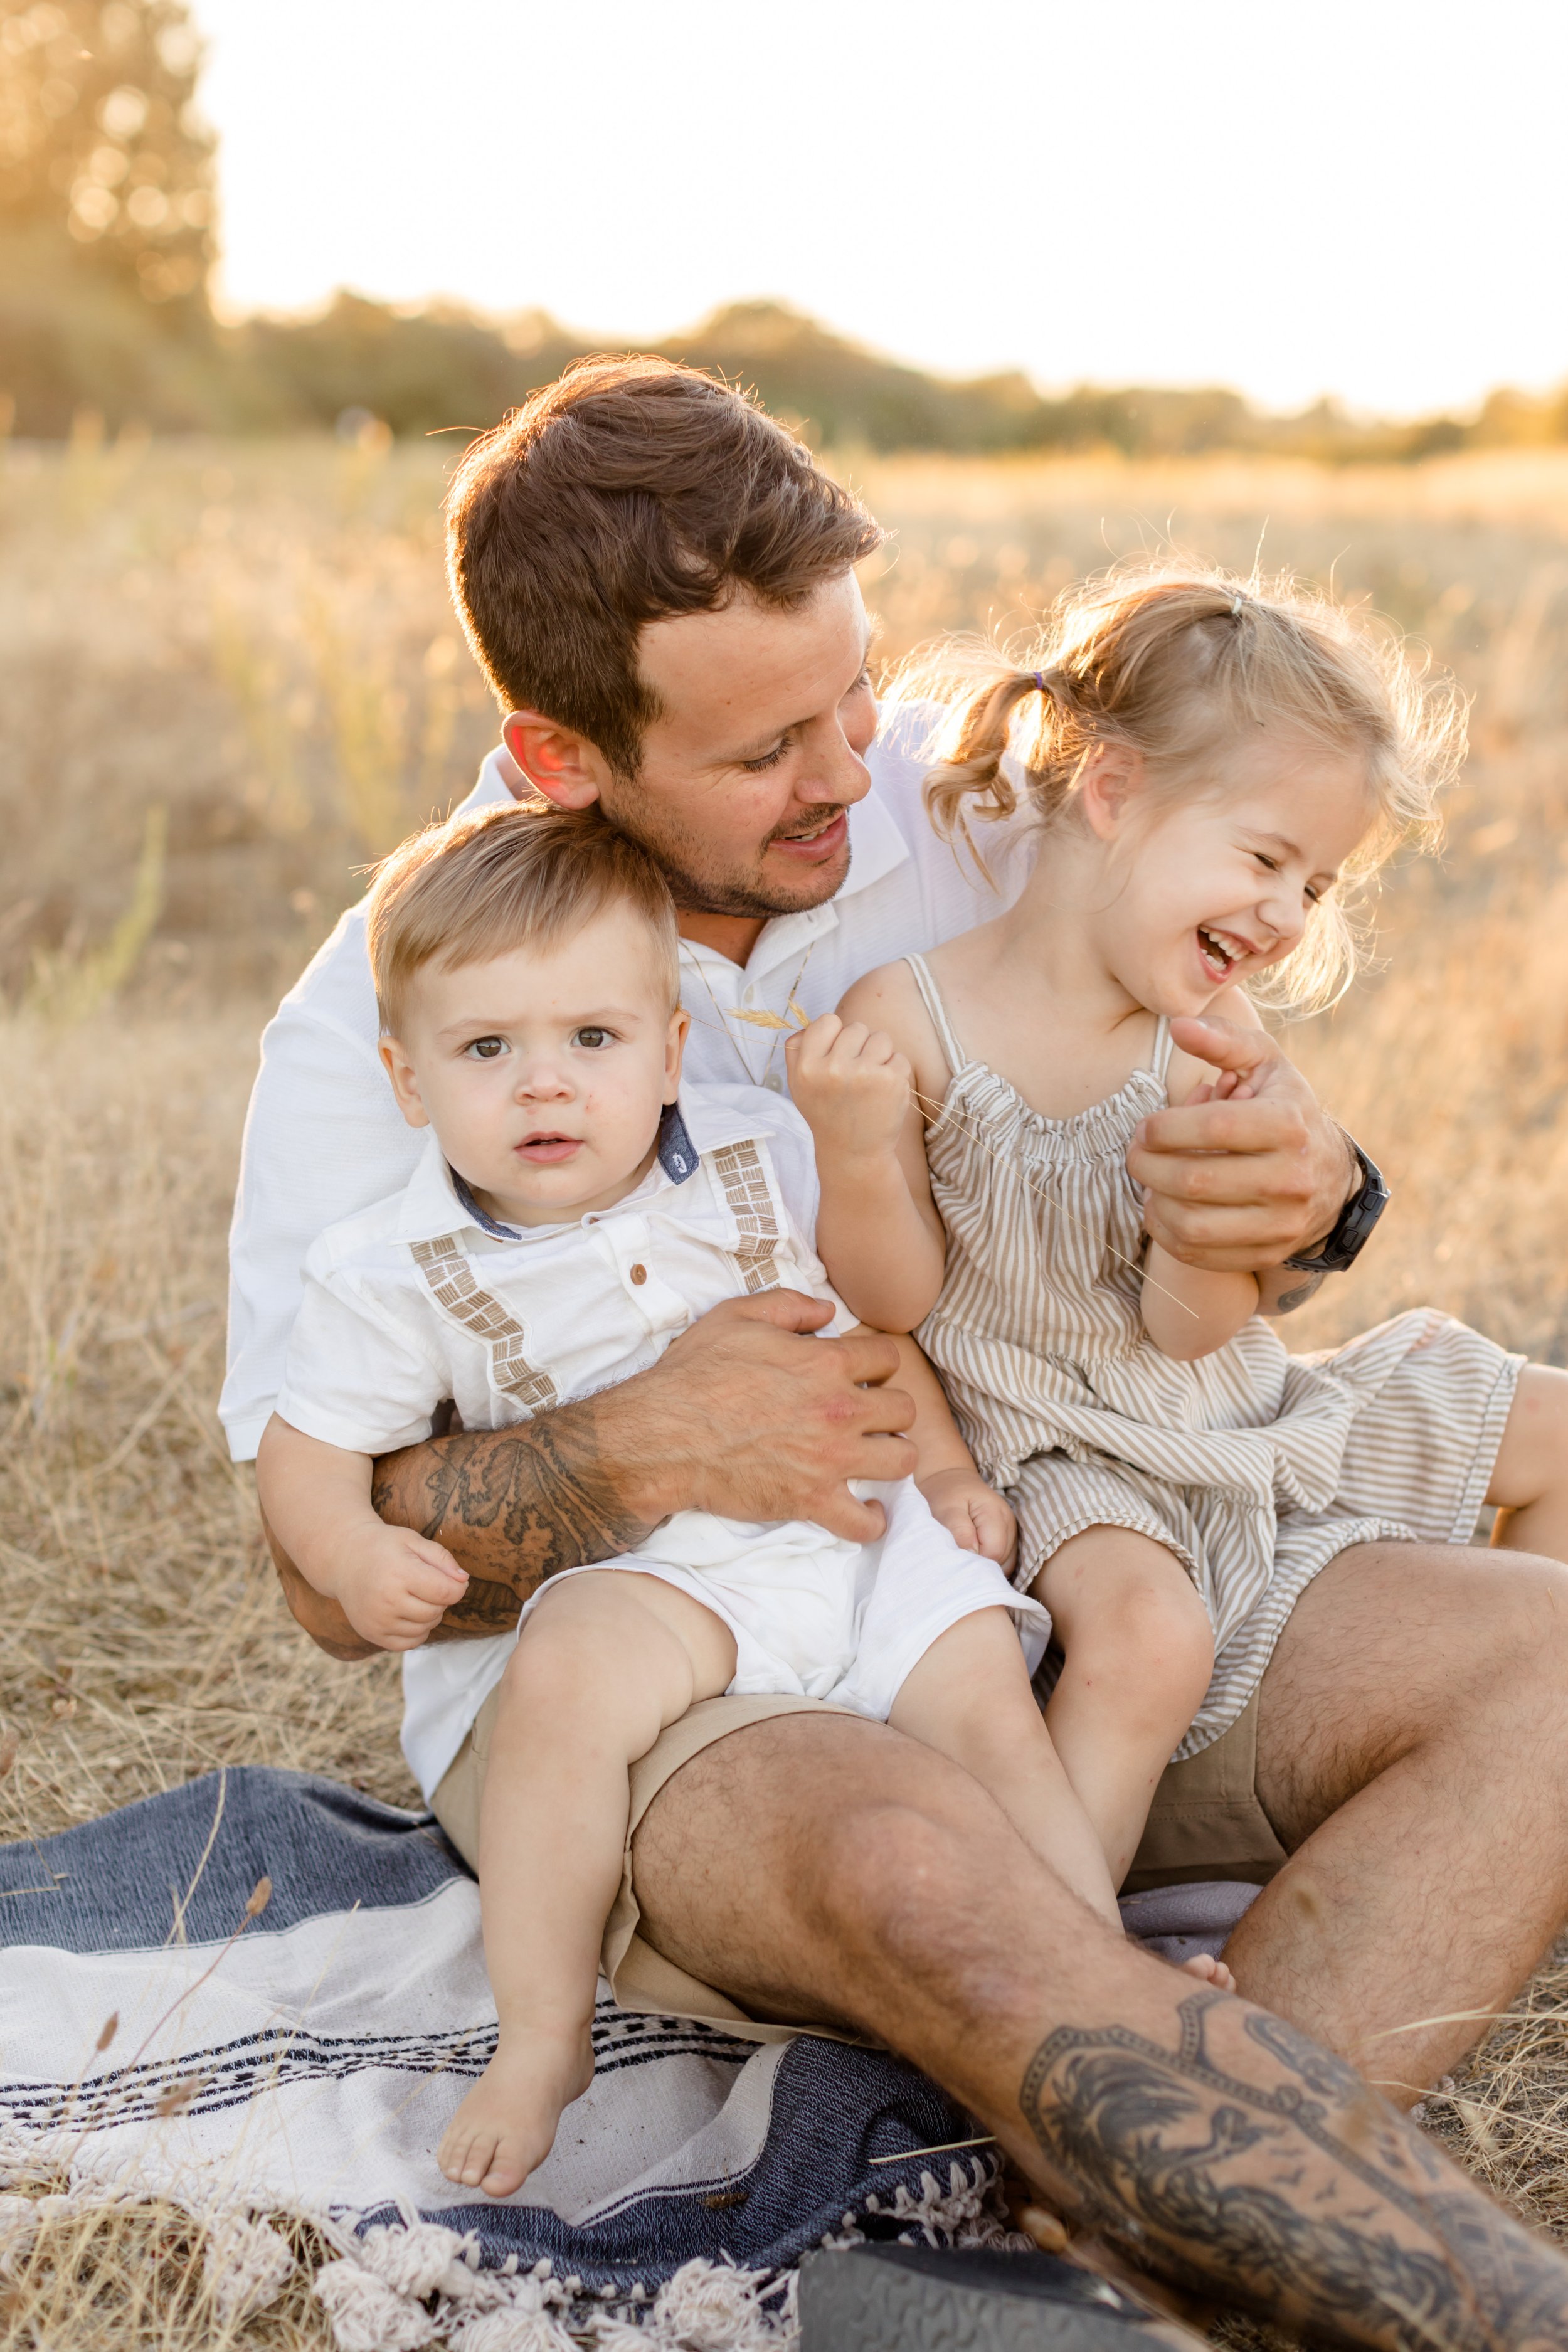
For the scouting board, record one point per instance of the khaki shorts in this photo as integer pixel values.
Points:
(1205, 1822)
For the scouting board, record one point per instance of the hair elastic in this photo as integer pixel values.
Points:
(1040, 681)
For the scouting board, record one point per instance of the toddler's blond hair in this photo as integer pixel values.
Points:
(521, 875)
(1176, 662)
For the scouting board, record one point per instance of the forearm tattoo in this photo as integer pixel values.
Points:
(1289, 1301)
(1294, 2189)
(513, 1506)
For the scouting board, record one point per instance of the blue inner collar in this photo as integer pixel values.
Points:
(678, 1156)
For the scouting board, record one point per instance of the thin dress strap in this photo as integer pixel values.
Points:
(1162, 1061)
(931, 997)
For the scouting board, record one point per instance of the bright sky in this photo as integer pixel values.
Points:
(1360, 197)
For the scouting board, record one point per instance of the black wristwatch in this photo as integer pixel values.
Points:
(1352, 1228)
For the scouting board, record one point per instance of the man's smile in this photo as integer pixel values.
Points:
(816, 847)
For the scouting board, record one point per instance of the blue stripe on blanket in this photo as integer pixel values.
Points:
(312, 2064)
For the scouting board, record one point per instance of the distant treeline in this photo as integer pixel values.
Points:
(71, 340)
(108, 205)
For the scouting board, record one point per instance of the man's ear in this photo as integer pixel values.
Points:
(404, 1084)
(559, 764)
(1109, 783)
(675, 1050)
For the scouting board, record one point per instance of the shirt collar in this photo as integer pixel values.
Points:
(436, 1188)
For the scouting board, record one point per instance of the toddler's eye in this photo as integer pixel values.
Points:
(592, 1038)
(1269, 865)
(485, 1049)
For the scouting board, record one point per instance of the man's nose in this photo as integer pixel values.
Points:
(838, 772)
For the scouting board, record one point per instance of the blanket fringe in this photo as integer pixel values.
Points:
(402, 2288)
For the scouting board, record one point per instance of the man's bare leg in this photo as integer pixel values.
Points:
(1413, 1756)
(829, 1871)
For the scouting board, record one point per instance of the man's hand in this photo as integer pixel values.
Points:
(746, 1415)
(974, 1514)
(1239, 1184)
(754, 1419)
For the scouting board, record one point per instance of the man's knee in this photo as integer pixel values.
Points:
(889, 1870)
(1520, 1633)
(1397, 1649)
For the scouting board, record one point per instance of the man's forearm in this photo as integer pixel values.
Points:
(513, 1506)
(1282, 1289)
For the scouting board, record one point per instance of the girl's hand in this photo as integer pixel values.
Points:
(1227, 1087)
(974, 1514)
(851, 1084)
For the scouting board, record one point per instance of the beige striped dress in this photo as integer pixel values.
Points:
(1255, 1467)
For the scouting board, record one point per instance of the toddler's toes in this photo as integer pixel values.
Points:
(1209, 1972)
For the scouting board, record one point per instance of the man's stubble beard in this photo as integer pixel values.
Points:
(698, 888)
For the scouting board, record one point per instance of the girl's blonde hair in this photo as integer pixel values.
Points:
(1175, 663)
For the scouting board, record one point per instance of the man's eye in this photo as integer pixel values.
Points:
(486, 1049)
(592, 1038)
(760, 767)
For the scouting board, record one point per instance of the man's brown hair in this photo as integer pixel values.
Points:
(629, 491)
(517, 875)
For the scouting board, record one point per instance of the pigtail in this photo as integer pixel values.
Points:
(1030, 714)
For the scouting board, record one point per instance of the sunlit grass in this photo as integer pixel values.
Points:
(256, 640)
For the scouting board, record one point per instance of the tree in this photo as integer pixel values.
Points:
(100, 144)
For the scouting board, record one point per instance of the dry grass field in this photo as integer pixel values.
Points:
(229, 677)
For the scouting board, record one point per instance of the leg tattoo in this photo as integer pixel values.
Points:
(1290, 2186)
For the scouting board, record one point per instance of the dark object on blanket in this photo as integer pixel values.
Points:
(927, 2299)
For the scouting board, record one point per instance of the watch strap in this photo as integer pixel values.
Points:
(1353, 1226)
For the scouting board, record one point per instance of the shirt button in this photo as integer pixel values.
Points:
(639, 1274)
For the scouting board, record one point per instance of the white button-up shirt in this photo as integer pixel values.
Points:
(325, 1138)
(424, 1296)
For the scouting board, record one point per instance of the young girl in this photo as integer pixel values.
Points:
(1211, 767)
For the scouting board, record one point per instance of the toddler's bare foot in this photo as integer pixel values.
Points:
(1209, 1972)
(506, 2126)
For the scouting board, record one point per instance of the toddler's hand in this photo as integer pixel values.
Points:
(974, 1514)
(850, 1085)
(1227, 1088)
(394, 1585)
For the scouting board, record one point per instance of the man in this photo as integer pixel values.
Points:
(660, 584)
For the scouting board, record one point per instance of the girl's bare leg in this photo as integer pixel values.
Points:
(969, 1699)
(604, 1662)
(1530, 1480)
(1139, 1652)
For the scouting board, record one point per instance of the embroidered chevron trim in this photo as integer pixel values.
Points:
(739, 1168)
(451, 1282)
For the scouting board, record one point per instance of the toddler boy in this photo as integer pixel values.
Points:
(574, 1212)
